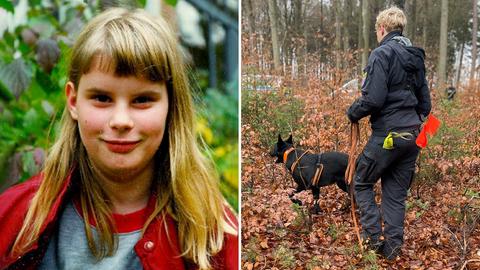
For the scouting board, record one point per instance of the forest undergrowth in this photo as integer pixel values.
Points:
(442, 224)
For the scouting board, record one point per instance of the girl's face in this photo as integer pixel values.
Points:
(121, 120)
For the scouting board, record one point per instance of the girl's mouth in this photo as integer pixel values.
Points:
(121, 147)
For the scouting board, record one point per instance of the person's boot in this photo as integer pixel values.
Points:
(372, 242)
(390, 251)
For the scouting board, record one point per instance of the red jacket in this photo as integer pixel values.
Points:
(153, 249)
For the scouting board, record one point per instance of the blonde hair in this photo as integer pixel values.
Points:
(186, 185)
(393, 19)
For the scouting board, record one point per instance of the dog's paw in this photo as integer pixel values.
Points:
(316, 209)
(296, 201)
(346, 206)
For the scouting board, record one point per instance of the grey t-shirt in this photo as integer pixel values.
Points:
(68, 248)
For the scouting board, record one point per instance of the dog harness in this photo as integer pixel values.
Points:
(285, 154)
(318, 171)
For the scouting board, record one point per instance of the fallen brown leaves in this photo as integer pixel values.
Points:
(442, 228)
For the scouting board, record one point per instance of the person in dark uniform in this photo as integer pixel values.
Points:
(450, 91)
(396, 96)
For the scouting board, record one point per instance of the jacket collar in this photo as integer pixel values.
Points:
(389, 36)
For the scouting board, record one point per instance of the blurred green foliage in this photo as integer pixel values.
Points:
(267, 123)
(33, 69)
(218, 126)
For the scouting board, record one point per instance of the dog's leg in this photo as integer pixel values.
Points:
(346, 204)
(340, 180)
(342, 184)
(316, 198)
(297, 201)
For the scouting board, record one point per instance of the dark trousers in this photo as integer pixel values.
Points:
(395, 167)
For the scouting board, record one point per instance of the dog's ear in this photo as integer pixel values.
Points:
(280, 138)
(290, 140)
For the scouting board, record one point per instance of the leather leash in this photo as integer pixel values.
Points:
(349, 173)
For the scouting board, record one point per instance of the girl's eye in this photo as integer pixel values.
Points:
(102, 98)
(142, 100)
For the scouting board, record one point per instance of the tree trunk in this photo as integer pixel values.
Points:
(425, 23)
(474, 42)
(360, 38)
(321, 16)
(347, 17)
(274, 33)
(250, 23)
(457, 80)
(413, 20)
(338, 33)
(297, 16)
(305, 51)
(304, 31)
(442, 59)
(366, 31)
(409, 13)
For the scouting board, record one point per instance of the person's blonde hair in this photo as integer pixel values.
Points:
(186, 185)
(393, 19)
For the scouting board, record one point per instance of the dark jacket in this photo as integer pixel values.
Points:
(395, 91)
(154, 249)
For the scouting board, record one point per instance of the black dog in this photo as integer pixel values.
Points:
(311, 171)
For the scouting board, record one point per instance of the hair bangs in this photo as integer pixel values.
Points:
(126, 48)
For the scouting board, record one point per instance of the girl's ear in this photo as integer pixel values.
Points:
(71, 94)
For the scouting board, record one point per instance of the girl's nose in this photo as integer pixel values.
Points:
(120, 119)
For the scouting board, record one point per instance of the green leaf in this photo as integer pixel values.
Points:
(6, 51)
(33, 3)
(24, 48)
(472, 194)
(44, 24)
(7, 148)
(45, 82)
(47, 107)
(9, 39)
(31, 117)
(5, 93)
(171, 2)
(141, 3)
(60, 71)
(28, 163)
(33, 123)
(7, 5)
(16, 76)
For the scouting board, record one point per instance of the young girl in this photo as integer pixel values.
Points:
(125, 186)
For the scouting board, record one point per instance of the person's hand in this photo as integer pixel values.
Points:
(350, 118)
(422, 118)
(350, 112)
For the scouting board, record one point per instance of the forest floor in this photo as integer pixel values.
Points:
(442, 224)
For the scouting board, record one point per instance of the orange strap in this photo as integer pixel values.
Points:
(318, 172)
(295, 163)
(317, 175)
(285, 154)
